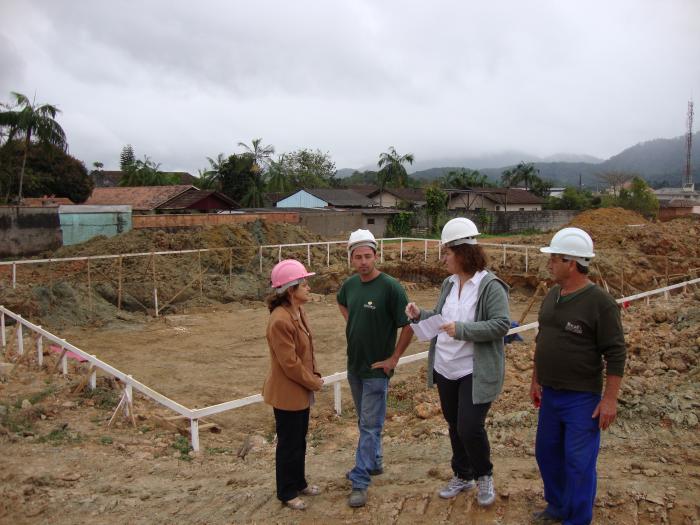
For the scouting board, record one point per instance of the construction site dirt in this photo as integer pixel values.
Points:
(61, 463)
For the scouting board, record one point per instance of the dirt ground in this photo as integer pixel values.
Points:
(60, 463)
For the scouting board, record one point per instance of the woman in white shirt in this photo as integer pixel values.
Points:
(466, 360)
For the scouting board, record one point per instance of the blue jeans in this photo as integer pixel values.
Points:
(369, 396)
(567, 445)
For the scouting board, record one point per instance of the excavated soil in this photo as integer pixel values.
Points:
(62, 463)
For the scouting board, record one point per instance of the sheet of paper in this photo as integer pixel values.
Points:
(428, 328)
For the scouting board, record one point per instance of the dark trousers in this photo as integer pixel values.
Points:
(471, 453)
(291, 426)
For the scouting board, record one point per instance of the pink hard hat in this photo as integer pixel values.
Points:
(288, 273)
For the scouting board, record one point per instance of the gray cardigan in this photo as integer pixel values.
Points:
(490, 325)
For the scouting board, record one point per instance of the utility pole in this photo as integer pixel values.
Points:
(688, 184)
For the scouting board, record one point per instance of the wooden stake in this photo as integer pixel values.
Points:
(89, 286)
(155, 286)
(119, 289)
(201, 275)
(531, 303)
(230, 266)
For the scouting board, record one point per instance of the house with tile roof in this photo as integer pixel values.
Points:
(493, 199)
(158, 199)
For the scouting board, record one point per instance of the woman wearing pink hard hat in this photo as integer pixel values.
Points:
(292, 379)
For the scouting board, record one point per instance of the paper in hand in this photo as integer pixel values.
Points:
(428, 328)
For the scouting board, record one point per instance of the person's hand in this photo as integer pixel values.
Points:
(449, 328)
(387, 365)
(536, 394)
(412, 311)
(606, 412)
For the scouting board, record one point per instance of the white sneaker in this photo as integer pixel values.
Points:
(455, 486)
(487, 494)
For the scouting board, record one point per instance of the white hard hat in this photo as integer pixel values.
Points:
(573, 242)
(458, 231)
(360, 238)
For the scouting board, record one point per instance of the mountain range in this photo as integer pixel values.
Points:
(659, 161)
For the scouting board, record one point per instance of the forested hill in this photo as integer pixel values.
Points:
(658, 161)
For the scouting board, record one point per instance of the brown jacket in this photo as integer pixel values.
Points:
(292, 372)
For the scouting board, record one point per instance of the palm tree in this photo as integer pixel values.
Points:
(29, 120)
(210, 179)
(261, 154)
(277, 180)
(391, 169)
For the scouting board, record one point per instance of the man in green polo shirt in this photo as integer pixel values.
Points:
(580, 336)
(373, 305)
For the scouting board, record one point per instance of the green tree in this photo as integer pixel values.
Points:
(571, 199)
(237, 174)
(466, 178)
(527, 174)
(524, 172)
(306, 168)
(435, 205)
(639, 197)
(391, 168)
(32, 122)
(277, 180)
(262, 155)
(48, 171)
(146, 173)
(127, 158)
(361, 177)
(210, 178)
(400, 224)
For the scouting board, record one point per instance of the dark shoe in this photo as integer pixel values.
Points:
(358, 498)
(544, 518)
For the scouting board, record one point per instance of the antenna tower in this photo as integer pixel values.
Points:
(688, 184)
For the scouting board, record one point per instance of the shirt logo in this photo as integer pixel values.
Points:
(573, 327)
(369, 305)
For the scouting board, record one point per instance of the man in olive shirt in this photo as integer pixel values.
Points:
(373, 305)
(580, 335)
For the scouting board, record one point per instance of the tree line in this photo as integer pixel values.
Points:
(34, 161)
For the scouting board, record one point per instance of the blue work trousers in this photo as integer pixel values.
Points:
(369, 396)
(567, 444)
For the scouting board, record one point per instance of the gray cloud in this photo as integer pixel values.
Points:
(182, 81)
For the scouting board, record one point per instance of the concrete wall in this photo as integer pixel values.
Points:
(509, 222)
(517, 221)
(27, 231)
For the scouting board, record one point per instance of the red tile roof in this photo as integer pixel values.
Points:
(140, 198)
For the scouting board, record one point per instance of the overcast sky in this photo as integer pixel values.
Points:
(181, 81)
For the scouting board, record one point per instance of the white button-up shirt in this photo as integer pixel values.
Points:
(454, 359)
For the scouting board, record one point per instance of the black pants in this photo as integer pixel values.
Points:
(471, 453)
(291, 426)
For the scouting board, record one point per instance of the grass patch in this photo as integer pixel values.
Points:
(19, 420)
(218, 450)
(398, 403)
(106, 440)
(316, 436)
(104, 398)
(182, 445)
(61, 435)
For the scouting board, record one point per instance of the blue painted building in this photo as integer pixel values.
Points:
(80, 223)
